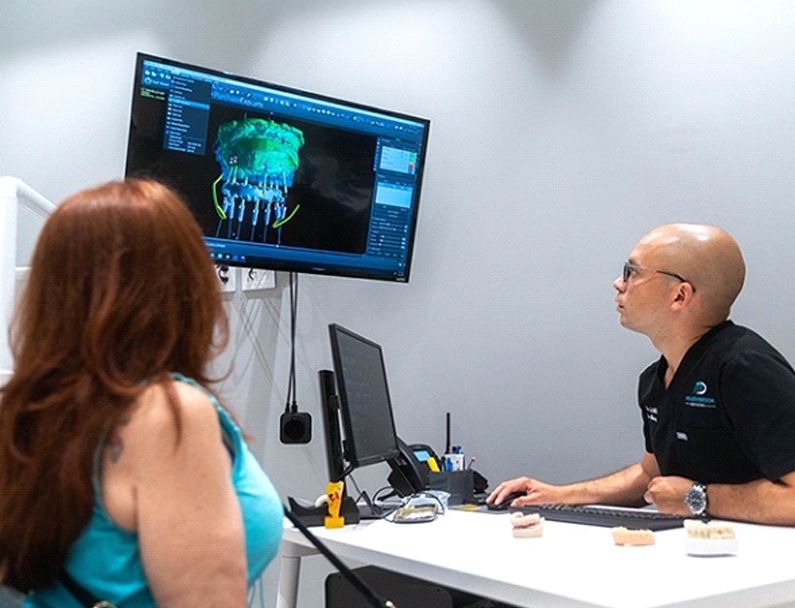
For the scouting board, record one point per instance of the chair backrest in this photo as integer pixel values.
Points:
(405, 591)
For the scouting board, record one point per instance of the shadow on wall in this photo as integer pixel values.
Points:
(547, 27)
(24, 30)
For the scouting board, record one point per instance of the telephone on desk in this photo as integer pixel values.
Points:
(413, 471)
(410, 470)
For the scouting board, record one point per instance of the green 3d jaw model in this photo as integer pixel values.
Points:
(258, 161)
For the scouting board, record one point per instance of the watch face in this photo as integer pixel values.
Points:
(696, 499)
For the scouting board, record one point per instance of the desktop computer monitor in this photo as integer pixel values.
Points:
(364, 402)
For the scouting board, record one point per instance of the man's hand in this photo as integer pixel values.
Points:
(668, 494)
(535, 492)
(625, 487)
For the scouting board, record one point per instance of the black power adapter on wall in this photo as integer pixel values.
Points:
(295, 427)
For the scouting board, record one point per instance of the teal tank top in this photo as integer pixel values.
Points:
(105, 559)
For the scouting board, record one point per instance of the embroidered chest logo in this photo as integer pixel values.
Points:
(699, 397)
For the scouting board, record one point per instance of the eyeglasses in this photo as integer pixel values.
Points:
(629, 268)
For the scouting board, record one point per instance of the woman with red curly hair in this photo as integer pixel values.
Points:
(120, 472)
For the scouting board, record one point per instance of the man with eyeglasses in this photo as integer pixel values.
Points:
(718, 406)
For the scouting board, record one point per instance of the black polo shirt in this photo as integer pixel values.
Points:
(728, 415)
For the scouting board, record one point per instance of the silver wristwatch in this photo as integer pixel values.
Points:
(696, 499)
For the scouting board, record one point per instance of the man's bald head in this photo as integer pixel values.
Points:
(707, 256)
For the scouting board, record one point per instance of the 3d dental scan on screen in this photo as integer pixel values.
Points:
(280, 178)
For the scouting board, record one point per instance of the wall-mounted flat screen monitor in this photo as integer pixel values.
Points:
(280, 178)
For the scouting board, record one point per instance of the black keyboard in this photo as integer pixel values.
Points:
(606, 516)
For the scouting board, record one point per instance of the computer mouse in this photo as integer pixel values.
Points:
(506, 503)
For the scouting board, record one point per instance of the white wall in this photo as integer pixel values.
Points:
(561, 132)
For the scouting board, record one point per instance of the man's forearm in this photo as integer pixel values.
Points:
(625, 487)
(759, 501)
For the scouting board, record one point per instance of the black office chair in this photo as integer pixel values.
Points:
(405, 591)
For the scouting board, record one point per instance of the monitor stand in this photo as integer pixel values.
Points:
(310, 515)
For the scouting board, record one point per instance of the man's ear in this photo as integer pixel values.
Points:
(684, 295)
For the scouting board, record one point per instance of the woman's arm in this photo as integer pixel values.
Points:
(185, 509)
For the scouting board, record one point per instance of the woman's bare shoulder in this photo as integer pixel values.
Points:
(160, 441)
(159, 425)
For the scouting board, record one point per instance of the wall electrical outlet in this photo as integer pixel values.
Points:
(254, 279)
(227, 277)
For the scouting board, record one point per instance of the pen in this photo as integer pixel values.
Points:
(471, 462)
(447, 446)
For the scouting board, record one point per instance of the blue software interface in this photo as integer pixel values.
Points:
(281, 178)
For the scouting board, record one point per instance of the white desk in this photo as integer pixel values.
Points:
(571, 565)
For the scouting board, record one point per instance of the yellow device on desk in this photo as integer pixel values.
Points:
(334, 495)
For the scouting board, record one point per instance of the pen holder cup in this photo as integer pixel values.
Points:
(459, 484)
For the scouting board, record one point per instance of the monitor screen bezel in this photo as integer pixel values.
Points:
(325, 261)
(351, 445)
